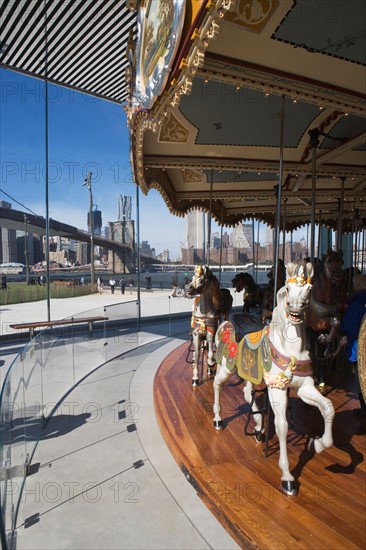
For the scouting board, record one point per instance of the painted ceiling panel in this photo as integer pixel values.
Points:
(316, 27)
(244, 117)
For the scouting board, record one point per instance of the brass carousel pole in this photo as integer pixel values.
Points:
(278, 209)
(256, 273)
(253, 247)
(284, 231)
(363, 247)
(314, 142)
(221, 229)
(319, 232)
(209, 219)
(340, 216)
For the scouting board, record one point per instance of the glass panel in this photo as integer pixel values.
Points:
(39, 379)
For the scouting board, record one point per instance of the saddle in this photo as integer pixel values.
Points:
(244, 343)
(244, 324)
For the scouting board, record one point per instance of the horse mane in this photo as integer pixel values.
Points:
(216, 293)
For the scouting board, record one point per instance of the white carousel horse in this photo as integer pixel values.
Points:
(211, 305)
(279, 354)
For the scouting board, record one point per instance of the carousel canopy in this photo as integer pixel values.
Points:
(257, 95)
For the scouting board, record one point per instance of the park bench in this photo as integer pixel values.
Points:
(61, 322)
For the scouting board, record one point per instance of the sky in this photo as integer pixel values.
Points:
(84, 134)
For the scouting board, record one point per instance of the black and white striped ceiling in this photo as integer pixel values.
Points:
(80, 44)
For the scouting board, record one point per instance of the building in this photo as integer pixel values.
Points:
(146, 249)
(124, 208)
(242, 236)
(195, 229)
(8, 244)
(97, 222)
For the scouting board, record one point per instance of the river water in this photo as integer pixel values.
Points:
(158, 279)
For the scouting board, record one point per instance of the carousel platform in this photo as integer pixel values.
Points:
(240, 483)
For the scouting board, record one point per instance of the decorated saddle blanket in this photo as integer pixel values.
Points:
(252, 356)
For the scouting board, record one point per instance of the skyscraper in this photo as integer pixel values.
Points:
(97, 222)
(195, 229)
(124, 208)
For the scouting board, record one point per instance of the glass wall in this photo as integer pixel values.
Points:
(45, 371)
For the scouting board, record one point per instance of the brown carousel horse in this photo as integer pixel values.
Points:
(211, 306)
(327, 303)
(253, 294)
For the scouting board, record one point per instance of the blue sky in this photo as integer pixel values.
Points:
(85, 134)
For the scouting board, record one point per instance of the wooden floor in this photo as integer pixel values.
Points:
(241, 487)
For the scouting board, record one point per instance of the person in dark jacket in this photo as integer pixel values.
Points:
(351, 324)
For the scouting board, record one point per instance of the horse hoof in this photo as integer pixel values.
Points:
(289, 488)
(194, 383)
(218, 425)
(311, 445)
(258, 435)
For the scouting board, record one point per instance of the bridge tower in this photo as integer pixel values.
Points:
(122, 260)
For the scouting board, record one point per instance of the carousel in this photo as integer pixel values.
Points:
(255, 110)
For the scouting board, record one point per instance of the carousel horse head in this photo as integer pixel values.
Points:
(328, 297)
(205, 281)
(331, 266)
(243, 281)
(252, 291)
(296, 292)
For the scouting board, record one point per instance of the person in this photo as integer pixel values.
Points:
(351, 324)
(42, 279)
(186, 280)
(112, 284)
(82, 281)
(130, 282)
(100, 285)
(123, 285)
(4, 283)
(174, 286)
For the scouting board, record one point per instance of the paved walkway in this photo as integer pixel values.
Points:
(105, 478)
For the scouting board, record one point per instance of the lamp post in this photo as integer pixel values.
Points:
(26, 248)
(88, 182)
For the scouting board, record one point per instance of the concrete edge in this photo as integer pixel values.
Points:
(141, 392)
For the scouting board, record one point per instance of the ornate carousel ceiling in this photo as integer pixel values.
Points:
(241, 84)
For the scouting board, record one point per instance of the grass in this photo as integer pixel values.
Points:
(18, 293)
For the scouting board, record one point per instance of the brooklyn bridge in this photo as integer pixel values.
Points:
(121, 256)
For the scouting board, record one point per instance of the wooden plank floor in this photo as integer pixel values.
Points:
(241, 487)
